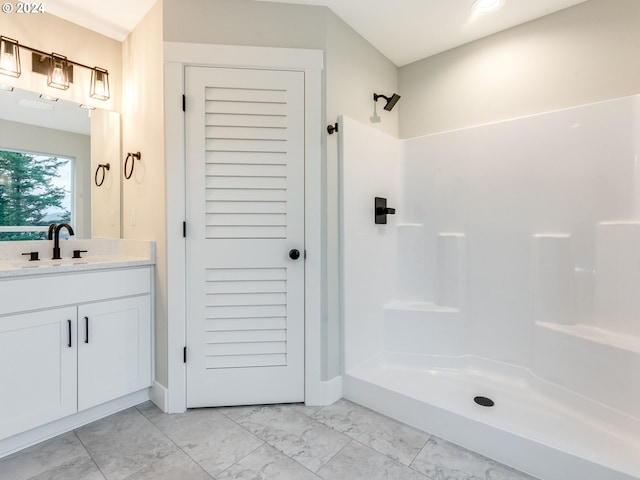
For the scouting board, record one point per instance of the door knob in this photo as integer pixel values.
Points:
(294, 254)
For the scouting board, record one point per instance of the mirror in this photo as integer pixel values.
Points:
(43, 129)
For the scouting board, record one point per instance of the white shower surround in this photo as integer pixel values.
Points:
(511, 270)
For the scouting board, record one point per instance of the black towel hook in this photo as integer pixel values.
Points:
(133, 157)
(101, 168)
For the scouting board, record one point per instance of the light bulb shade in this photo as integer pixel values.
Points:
(9, 57)
(58, 74)
(100, 83)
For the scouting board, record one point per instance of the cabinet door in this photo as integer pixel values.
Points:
(114, 349)
(37, 369)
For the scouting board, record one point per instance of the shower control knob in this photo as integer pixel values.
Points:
(294, 254)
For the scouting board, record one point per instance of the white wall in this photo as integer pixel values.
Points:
(20, 136)
(580, 55)
(144, 201)
(106, 149)
(244, 22)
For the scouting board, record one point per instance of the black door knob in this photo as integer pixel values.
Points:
(294, 254)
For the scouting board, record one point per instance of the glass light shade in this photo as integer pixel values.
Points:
(58, 75)
(100, 84)
(9, 57)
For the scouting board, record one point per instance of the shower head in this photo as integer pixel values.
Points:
(391, 101)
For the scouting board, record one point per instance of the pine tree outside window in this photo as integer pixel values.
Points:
(35, 191)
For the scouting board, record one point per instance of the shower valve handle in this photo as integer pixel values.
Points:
(385, 211)
(381, 210)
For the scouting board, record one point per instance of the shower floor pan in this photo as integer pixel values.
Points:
(534, 426)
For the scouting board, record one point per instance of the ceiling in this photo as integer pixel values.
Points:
(409, 30)
(403, 30)
(112, 18)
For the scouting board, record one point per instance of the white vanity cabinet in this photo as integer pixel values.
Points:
(51, 366)
(114, 349)
(38, 368)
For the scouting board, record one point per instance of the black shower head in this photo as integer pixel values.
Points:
(391, 101)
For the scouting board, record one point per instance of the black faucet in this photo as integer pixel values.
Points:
(56, 240)
(52, 227)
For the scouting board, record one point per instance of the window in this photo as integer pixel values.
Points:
(35, 191)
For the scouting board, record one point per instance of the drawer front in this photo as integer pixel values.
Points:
(35, 293)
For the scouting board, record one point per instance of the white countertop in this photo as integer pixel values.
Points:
(101, 254)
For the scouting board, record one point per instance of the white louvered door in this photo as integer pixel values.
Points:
(245, 213)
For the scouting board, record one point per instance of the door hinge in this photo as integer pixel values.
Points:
(184, 229)
(184, 355)
(184, 103)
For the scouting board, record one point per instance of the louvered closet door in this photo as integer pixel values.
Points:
(245, 212)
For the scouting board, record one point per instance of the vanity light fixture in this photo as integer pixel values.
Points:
(9, 57)
(58, 72)
(59, 69)
(482, 7)
(100, 83)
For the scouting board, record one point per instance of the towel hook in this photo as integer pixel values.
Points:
(101, 168)
(133, 157)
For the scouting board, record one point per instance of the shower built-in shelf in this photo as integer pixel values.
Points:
(599, 364)
(598, 335)
(421, 327)
(420, 307)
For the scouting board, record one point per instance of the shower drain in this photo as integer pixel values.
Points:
(484, 401)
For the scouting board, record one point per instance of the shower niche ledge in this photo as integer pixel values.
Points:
(419, 307)
(561, 358)
(436, 329)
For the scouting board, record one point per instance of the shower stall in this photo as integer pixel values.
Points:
(499, 308)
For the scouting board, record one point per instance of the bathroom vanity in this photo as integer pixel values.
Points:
(75, 334)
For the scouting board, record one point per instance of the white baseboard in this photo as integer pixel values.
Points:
(159, 395)
(330, 391)
(50, 430)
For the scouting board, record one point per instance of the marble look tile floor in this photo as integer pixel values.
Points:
(343, 441)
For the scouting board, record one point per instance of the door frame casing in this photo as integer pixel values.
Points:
(177, 56)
